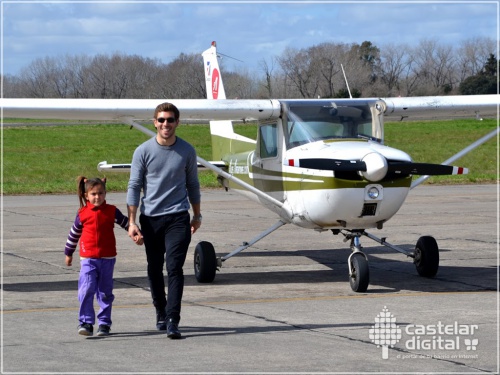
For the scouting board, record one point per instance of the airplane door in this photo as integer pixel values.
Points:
(267, 166)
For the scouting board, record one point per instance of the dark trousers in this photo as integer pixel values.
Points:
(167, 238)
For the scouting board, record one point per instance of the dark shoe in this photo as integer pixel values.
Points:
(85, 329)
(172, 330)
(161, 320)
(103, 330)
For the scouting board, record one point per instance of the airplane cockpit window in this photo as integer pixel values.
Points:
(268, 135)
(311, 123)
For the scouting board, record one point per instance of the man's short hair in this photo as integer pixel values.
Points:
(167, 107)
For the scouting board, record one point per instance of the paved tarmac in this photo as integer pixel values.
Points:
(284, 305)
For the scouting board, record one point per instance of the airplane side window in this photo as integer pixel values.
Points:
(268, 141)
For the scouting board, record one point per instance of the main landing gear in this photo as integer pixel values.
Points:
(206, 262)
(425, 257)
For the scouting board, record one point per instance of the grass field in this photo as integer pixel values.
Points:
(48, 159)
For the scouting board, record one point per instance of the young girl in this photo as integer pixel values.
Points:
(93, 226)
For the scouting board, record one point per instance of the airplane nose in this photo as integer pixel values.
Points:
(376, 167)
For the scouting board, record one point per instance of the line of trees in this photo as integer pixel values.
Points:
(430, 68)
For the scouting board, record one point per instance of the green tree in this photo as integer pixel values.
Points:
(485, 82)
(490, 68)
(344, 93)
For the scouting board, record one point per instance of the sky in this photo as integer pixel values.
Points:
(249, 31)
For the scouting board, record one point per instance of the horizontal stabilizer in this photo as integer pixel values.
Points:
(219, 164)
(105, 167)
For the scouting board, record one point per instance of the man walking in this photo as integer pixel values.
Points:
(165, 169)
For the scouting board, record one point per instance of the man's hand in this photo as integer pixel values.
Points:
(195, 225)
(135, 234)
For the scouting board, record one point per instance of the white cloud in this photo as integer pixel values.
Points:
(248, 31)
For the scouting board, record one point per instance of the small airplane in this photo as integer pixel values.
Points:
(319, 164)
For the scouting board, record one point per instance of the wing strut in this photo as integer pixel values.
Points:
(254, 240)
(458, 155)
(139, 127)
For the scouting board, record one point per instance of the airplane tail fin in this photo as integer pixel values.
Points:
(213, 80)
(224, 139)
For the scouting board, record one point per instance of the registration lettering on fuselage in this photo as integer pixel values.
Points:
(234, 168)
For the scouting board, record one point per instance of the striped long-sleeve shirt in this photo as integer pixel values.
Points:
(94, 228)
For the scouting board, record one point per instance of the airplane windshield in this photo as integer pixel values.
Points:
(314, 122)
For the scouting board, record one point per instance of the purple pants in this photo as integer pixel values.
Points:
(96, 278)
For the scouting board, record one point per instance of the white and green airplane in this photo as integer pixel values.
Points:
(319, 164)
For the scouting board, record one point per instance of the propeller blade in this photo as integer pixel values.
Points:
(425, 169)
(338, 165)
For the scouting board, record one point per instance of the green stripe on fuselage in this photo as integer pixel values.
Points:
(274, 181)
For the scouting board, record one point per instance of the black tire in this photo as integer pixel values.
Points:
(205, 262)
(360, 277)
(426, 256)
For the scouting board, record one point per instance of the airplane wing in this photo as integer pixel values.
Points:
(235, 109)
(429, 107)
(138, 109)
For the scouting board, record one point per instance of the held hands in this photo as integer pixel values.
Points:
(138, 240)
(135, 234)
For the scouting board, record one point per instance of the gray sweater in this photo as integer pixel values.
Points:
(168, 176)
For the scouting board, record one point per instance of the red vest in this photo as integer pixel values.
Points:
(98, 236)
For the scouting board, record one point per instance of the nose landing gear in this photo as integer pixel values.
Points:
(359, 272)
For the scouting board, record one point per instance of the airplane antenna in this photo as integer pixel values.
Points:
(218, 53)
(221, 54)
(347, 84)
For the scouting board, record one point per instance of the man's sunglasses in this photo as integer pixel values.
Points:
(170, 120)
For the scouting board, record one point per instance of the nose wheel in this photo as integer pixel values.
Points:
(359, 272)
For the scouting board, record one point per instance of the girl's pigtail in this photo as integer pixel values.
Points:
(81, 180)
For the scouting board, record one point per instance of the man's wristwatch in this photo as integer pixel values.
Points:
(197, 218)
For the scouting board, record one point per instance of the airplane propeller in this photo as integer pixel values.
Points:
(374, 166)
